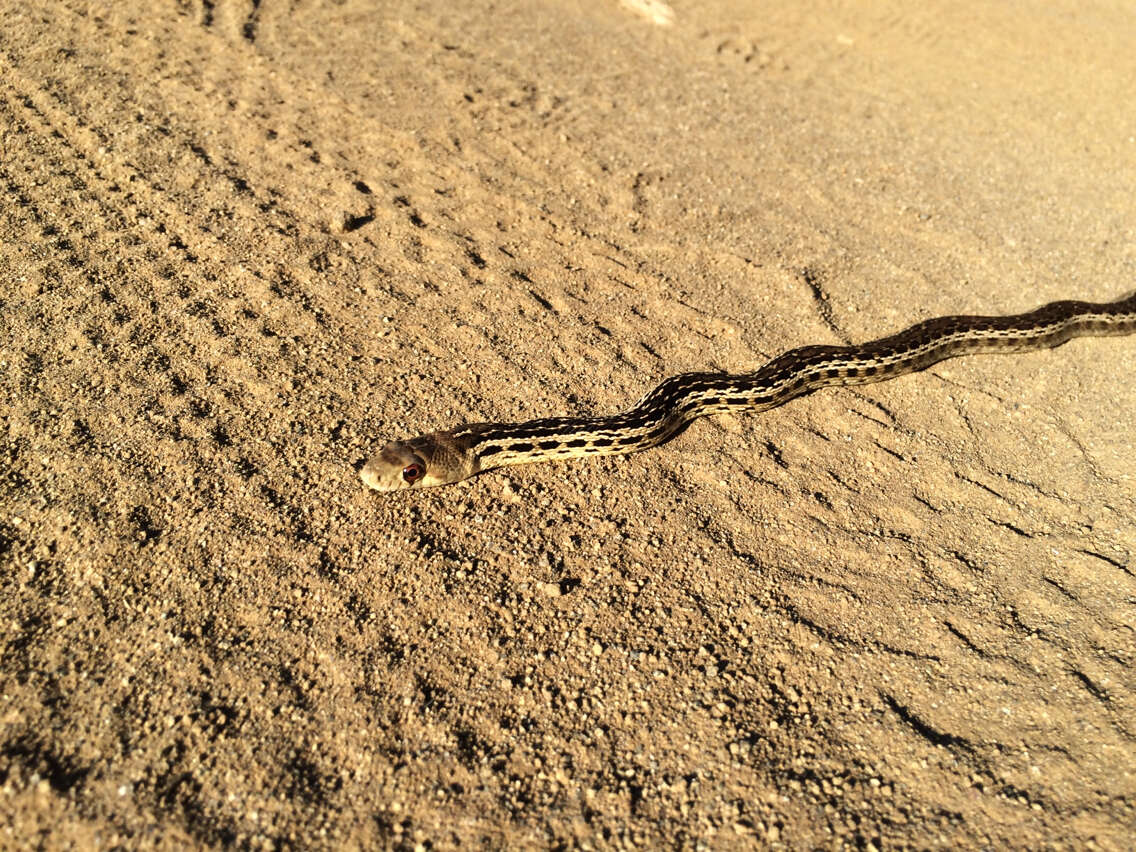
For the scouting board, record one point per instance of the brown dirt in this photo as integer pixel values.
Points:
(244, 243)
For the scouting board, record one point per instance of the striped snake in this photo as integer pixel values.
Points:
(444, 457)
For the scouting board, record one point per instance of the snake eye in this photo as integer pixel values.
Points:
(413, 472)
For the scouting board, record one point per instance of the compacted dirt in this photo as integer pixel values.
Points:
(244, 243)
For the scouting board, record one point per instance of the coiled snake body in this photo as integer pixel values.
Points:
(440, 458)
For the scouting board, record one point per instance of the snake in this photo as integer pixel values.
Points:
(441, 458)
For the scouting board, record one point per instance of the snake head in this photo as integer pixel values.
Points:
(418, 463)
(396, 467)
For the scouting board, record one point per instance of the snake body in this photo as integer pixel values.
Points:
(440, 458)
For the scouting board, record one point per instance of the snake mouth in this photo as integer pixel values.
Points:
(371, 478)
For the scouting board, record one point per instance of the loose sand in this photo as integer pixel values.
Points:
(242, 244)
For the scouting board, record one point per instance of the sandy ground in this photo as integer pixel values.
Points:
(244, 243)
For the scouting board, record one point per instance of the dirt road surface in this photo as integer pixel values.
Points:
(242, 244)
